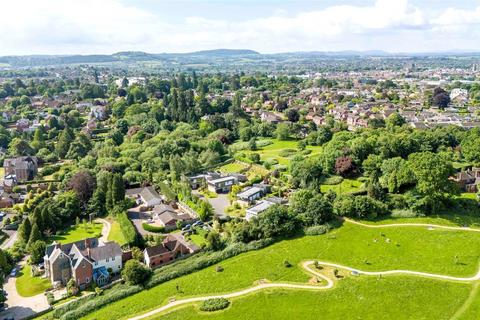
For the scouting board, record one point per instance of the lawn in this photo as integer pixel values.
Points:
(199, 237)
(115, 232)
(29, 286)
(346, 186)
(353, 298)
(274, 150)
(79, 232)
(454, 253)
(233, 167)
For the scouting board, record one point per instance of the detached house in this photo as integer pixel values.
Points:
(222, 185)
(85, 261)
(23, 168)
(469, 180)
(172, 248)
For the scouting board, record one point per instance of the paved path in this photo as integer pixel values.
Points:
(107, 226)
(306, 265)
(12, 237)
(20, 307)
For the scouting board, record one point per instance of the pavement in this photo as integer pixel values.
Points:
(19, 307)
(12, 237)
(219, 204)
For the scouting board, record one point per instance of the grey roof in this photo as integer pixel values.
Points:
(108, 250)
(249, 192)
(149, 193)
(220, 180)
(260, 207)
(161, 208)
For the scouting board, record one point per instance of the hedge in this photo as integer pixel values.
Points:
(150, 228)
(127, 228)
(214, 304)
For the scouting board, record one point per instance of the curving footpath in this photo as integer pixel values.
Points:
(330, 283)
(107, 226)
(427, 225)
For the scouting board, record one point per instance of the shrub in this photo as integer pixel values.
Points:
(219, 269)
(214, 304)
(50, 298)
(287, 264)
(150, 228)
(287, 153)
(333, 180)
(317, 230)
(135, 272)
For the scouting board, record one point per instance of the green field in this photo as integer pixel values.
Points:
(353, 298)
(346, 186)
(455, 253)
(29, 286)
(115, 232)
(79, 232)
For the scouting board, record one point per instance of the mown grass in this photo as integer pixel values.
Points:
(353, 298)
(233, 167)
(346, 186)
(79, 232)
(29, 286)
(414, 248)
(116, 233)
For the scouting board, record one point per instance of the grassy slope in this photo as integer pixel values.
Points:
(28, 286)
(418, 249)
(385, 298)
(346, 186)
(79, 232)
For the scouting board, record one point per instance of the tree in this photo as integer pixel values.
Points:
(440, 98)
(431, 172)
(293, 115)
(252, 144)
(213, 241)
(283, 131)
(37, 251)
(135, 272)
(83, 183)
(395, 174)
(276, 221)
(205, 210)
(35, 235)
(344, 166)
(137, 254)
(65, 139)
(24, 230)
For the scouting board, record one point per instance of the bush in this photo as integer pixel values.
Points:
(214, 304)
(333, 180)
(287, 153)
(287, 264)
(317, 230)
(50, 298)
(134, 272)
(150, 228)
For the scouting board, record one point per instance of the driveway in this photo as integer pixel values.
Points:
(21, 307)
(219, 204)
(138, 218)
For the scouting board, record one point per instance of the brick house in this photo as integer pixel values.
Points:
(171, 248)
(85, 261)
(469, 180)
(23, 168)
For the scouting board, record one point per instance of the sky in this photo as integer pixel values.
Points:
(267, 26)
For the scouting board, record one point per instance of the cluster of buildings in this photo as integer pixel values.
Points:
(16, 170)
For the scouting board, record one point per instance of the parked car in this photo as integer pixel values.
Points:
(13, 273)
(2, 214)
(197, 223)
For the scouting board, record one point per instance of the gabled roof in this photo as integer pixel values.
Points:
(108, 250)
(149, 193)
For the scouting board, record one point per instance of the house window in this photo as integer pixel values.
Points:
(113, 258)
(87, 279)
(107, 259)
(96, 263)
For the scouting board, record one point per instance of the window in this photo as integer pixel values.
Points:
(113, 258)
(87, 279)
(96, 263)
(107, 259)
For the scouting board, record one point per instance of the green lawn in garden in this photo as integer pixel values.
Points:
(79, 232)
(353, 298)
(233, 167)
(199, 237)
(115, 232)
(455, 253)
(29, 286)
(346, 186)
(273, 151)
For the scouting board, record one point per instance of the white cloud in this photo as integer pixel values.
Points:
(103, 26)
